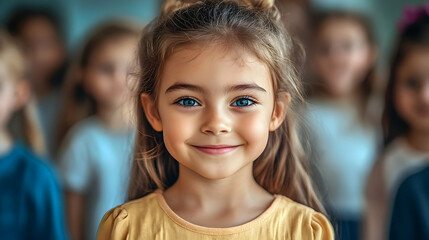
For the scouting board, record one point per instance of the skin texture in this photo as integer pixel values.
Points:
(44, 51)
(209, 97)
(105, 79)
(13, 95)
(342, 57)
(411, 96)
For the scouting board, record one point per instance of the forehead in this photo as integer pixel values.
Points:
(416, 61)
(120, 48)
(341, 29)
(38, 26)
(214, 67)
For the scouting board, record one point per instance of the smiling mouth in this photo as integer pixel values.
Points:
(216, 149)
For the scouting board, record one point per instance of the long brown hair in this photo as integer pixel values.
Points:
(255, 26)
(368, 87)
(24, 123)
(414, 35)
(78, 104)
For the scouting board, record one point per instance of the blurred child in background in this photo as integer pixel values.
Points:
(31, 205)
(344, 138)
(405, 121)
(39, 33)
(95, 156)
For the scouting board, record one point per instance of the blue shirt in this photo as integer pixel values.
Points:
(31, 204)
(410, 215)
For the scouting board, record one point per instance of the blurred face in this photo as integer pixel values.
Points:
(43, 48)
(105, 77)
(411, 94)
(215, 110)
(7, 95)
(342, 56)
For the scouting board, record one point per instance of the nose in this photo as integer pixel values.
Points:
(216, 122)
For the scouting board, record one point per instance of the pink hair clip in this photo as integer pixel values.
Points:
(411, 14)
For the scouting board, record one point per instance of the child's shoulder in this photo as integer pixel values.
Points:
(145, 207)
(288, 205)
(85, 126)
(293, 211)
(34, 170)
(25, 157)
(87, 130)
(142, 214)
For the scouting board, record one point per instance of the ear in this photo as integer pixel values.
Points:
(151, 112)
(22, 93)
(279, 112)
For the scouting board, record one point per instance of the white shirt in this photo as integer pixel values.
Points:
(400, 161)
(96, 162)
(343, 151)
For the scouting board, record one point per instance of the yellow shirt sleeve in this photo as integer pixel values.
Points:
(114, 225)
(321, 227)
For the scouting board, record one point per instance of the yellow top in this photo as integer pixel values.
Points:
(151, 218)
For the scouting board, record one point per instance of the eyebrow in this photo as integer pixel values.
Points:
(179, 86)
(239, 87)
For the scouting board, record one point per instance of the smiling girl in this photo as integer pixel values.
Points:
(216, 154)
(405, 126)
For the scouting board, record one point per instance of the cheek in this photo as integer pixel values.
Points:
(177, 128)
(321, 64)
(403, 101)
(360, 60)
(254, 129)
(98, 87)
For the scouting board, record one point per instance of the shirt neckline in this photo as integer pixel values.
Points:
(215, 231)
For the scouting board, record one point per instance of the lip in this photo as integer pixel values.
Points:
(216, 149)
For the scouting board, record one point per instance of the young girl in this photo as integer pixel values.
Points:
(344, 136)
(30, 200)
(405, 120)
(39, 32)
(95, 156)
(216, 154)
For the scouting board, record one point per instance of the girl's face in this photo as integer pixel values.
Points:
(411, 93)
(43, 47)
(215, 109)
(342, 56)
(105, 77)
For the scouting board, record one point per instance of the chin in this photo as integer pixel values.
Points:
(216, 175)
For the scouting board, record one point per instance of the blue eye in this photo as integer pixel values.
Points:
(243, 102)
(188, 102)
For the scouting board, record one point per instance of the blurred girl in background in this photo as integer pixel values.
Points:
(95, 128)
(31, 206)
(39, 32)
(344, 137)
(405, 121)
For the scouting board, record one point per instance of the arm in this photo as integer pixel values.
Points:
(75, 206)
(374, 226)
(75, 169)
